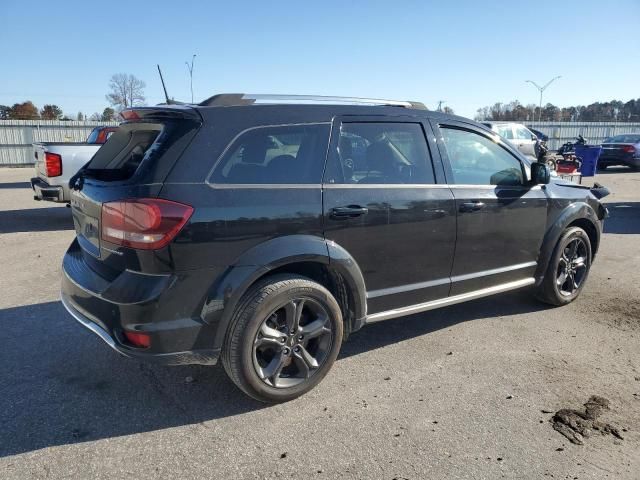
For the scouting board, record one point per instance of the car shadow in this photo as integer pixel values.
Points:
(624, 217)
(613, 170)
(385, 333)
(36, 220)
(62, 385)
(9, 185)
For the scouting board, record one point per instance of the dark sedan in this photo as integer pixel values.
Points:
(621, 150)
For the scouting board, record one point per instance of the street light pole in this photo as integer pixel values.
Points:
(541, 90)
(190, 68)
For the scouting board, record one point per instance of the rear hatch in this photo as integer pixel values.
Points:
(617, 150)
(131, 165)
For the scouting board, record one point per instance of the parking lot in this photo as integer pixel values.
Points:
(463, 392)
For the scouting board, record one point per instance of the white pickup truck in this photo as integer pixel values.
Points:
(56, 163)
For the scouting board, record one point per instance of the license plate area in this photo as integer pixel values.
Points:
(87, 226)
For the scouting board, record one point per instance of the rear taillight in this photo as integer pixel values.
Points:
(53, 164)
(629, 149)
(145, 223)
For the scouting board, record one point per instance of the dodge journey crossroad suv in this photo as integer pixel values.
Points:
(264, 230)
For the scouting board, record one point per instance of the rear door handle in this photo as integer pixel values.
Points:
(471, 206)
(350, 211)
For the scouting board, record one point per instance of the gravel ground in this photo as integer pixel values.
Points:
(464, 392)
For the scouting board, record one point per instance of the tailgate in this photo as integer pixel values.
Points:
(38, 152)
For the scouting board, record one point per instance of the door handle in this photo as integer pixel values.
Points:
(471, 206)
(350, 211)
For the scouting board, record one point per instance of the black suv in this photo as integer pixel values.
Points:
(264, 230)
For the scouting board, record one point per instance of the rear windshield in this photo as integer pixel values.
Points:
(124, 151)
(624, 139)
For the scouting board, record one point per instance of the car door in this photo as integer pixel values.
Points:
(524, 140)
(501, 217)
(383, 204)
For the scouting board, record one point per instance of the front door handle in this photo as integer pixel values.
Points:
(350, 211)
(471, 206)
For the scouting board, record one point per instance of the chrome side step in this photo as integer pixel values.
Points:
(444, 302)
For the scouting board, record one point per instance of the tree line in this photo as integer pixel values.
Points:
(125, 90)
(613, 111)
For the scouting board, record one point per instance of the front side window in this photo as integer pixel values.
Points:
(285, 154)
(381, 153)
(477, 160)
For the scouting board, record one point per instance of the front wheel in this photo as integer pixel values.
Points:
(284, 337)
(568, 269)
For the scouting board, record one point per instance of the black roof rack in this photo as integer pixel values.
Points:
(236, 99)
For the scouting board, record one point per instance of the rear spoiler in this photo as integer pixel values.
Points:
(161, 112)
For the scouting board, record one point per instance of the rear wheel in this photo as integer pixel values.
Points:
(569, 268)
(285, 335)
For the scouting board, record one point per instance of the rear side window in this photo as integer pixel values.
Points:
(121, 155)
(476, 160)
(381, 153)
(285, 154)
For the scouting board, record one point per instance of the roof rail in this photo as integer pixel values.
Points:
(236, 99)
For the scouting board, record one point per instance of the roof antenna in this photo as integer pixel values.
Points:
(163, 86)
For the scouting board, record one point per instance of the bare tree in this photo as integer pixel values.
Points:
(126, 91)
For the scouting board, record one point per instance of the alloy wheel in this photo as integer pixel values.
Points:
(292, 343)
(572, 267)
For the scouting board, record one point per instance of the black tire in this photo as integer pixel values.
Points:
(602, 167)
(559, 287)
(249, 355)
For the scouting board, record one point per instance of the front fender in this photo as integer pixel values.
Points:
(575, 211)
(228, 289)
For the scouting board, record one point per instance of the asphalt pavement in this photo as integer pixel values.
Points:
(462, 392)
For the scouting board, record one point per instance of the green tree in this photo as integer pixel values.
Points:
(80, 117)
(51, 112)
(108, 114)
(5, 112)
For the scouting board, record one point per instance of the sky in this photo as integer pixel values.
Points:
(468, 53)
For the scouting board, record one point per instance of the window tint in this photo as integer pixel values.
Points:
(523, 134)
(393, 153)
(282, 155)
(477, 160)
(505, 132)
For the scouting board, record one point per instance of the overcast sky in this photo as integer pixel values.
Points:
(464, 52)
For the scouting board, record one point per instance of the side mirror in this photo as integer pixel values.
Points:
(534, 137)
(540, 173)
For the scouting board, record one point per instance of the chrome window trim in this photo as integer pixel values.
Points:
(443, 302)
(256, 127)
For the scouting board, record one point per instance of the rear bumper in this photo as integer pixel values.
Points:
(43, 191)
(629, 161)
(138, 303)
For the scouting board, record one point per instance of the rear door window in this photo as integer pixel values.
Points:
(381, 153)
(284, 154)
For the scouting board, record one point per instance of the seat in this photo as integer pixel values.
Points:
(380, 162)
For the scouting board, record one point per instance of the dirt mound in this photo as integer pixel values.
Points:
(577, 425)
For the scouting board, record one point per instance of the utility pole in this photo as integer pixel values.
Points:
(541, 90)
(190, 68)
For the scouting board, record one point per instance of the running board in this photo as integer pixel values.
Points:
(444, 302)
